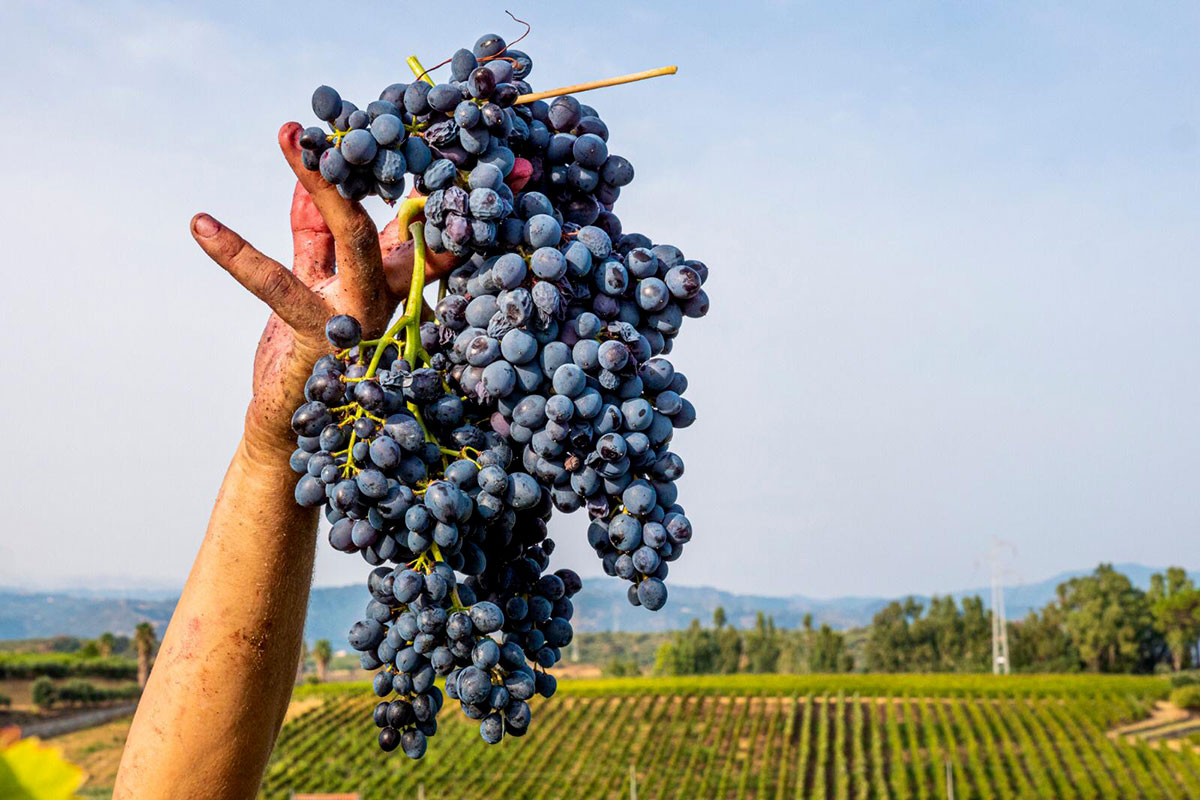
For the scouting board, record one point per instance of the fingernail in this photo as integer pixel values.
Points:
(205, 226)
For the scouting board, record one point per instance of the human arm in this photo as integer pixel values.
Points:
(215, 701)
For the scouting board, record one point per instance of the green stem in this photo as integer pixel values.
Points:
(412, 309)
(437, 554)
(409, 322)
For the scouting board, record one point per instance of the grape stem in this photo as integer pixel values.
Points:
(600, 84)
(437, 554)
(411, 350)
(409, 321)
(423, 74)
(415, 65)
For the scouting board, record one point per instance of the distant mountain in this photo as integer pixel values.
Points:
(601, 606)
(36, 615)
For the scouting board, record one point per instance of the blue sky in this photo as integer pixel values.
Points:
(953, 252)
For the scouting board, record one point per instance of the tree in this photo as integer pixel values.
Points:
(146, 642)
(1040, 643)
(622, 668)
(907, 637)
(43, 692)
(728, 644)
(763, 645)
(106, 644)
(1175, 605)
(322, 652)
(692, 651)
(65, 644)
(890, 642)
(1109, 621)
(827, 651)
(976, 653)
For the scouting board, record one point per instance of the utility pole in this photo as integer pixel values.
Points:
(1000, 662)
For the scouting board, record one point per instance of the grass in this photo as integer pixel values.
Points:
(98, 751)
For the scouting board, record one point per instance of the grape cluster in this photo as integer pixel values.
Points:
(580, 385)
(441, 449)
(393, 494)
(459, 140)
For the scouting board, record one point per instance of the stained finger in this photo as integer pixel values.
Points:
(266, 278)
(356, 241)
(312, 241)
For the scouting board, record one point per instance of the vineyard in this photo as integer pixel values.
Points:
(776, 737)
(64, 665)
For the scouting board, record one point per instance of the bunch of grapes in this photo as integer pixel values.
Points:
(370, 449)
(580, 385)
(441, 449)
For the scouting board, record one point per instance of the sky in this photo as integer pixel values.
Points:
(953, 253)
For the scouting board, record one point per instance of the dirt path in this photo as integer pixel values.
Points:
(76, 722)
(1166, 726)
(1161, 715)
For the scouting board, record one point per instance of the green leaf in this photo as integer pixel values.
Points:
(30, 770)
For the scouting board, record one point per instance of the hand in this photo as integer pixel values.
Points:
(372, 274)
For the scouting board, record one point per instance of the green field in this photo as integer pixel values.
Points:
(777, 737)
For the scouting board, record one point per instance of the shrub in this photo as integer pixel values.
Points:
(46, 694)
(1187, 697)
(43, 692)
(5, 701)
(79, 691)
(622, 668)
(1190, 678)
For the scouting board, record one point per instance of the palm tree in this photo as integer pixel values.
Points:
(300, 665)
(146, 641)
(322, 652)
(106, 643)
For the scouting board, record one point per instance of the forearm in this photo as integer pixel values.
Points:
(221, 684)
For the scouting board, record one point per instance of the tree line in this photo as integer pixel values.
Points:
(724, 650)
(104, 656)
(1099, 622)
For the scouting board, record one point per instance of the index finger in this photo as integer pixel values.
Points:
(356, 241)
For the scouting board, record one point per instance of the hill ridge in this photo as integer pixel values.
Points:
(601, 606)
